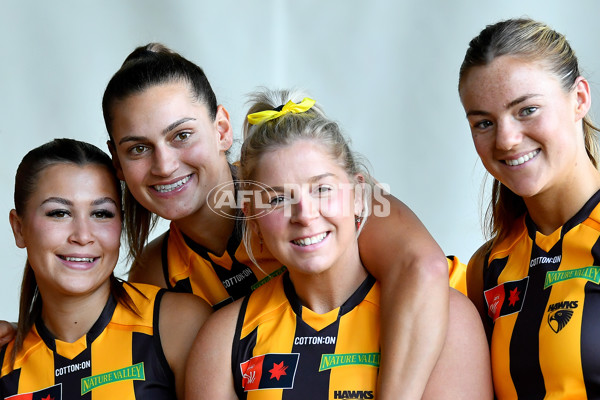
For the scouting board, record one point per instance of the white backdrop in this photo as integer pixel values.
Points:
(385, 70)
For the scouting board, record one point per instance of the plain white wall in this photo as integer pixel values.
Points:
(385, 70)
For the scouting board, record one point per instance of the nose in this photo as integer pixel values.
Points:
(304, 210)
(508, 135)
(82, 231)
(164, 162)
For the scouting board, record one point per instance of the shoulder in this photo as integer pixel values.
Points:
(209, 367)
(463, 369)
(187, 309)
(216, 336)
(149, 267)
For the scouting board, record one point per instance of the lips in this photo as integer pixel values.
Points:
(81, 262)
(79, 259)
(172, 186)
(522, 159)
(310, 240)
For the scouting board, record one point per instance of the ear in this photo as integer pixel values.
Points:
(224, 129)
(115, 160)
(584, 98)
(17, 228)
(359, 195)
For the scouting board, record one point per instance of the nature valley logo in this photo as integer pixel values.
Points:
(134, 372)
(591, 273)
(329, 361)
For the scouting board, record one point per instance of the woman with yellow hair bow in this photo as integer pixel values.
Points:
(313, 332)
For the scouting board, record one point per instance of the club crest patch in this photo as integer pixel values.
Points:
(506, 298)
(269, 371)
(49, 393)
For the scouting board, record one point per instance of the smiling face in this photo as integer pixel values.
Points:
(311, 228)
(168, 149)
(71, 229)
(526, 128)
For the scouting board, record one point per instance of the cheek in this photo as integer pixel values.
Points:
(134, 171)
(110, 236)
(272, 224)
(341, 204)
(483, 146)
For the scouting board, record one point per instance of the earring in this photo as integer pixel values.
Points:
(357, 221)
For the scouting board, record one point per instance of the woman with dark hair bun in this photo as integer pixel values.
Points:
(169, 139)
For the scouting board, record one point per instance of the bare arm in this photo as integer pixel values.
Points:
(181, 316)
(463, 370)
(148, 268)
(413, 273)
(209, 374)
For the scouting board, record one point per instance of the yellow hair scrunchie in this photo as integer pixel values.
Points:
(267, 115)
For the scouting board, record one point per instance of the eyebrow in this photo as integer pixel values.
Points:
(511, 104)
(313, 179)
(97, 202)
(168, 129)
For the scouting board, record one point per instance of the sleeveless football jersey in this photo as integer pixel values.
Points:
(121, 357)
(190, 268)
(542, 294)
(283, 350)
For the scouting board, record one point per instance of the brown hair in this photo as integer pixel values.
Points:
(58, 151)
(148, 66)
(533, 41)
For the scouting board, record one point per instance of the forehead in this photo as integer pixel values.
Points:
(298, 162)
(156, 105)
(76, 182)
(505, 79)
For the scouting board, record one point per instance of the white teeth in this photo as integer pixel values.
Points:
(522, 159)
(172, 186)
(78, 259)
(310, 240)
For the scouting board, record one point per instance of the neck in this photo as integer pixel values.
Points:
(330, 289)
(211, 229)
(551, 209)
(71, 317)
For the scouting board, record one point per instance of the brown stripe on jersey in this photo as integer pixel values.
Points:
(241, 350)
(525, 342)
(160, 380)
(164, 255)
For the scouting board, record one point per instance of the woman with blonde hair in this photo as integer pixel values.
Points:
(314, 331)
